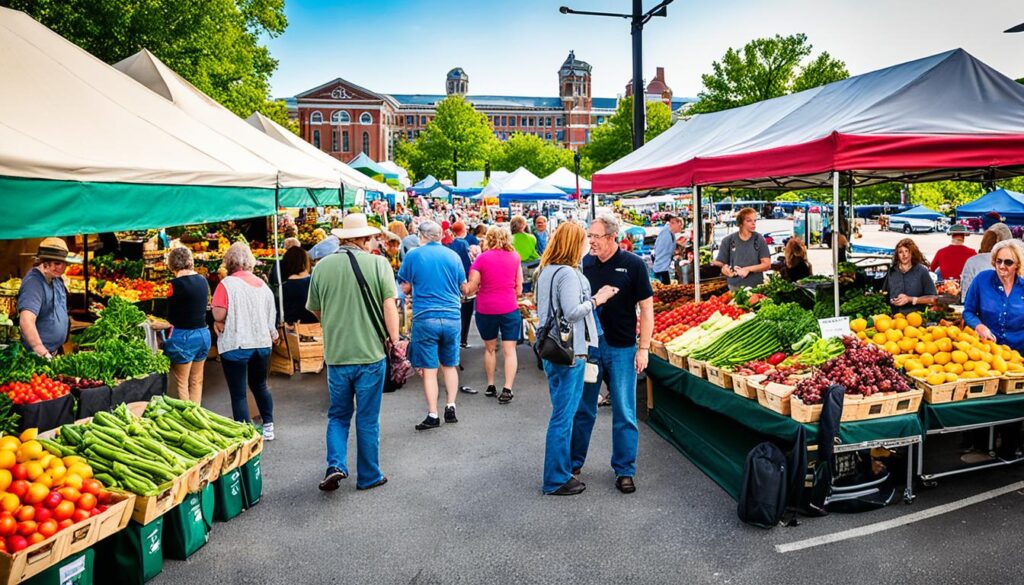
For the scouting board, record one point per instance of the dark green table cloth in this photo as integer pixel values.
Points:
(977, 411)
(715, 428)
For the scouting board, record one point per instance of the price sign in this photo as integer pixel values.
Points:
(834, 327)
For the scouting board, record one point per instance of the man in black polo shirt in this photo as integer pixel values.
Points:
(618, 357)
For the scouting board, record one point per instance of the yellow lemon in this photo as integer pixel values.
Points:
(962, 345)
(975, 354)
(894, 335)
(882, 323)
(959, 356)
(943, 357)
(30, 451)
(922, 373)
(951, 377)
(28, 434)
(891, 347)
(879, 339)
(931, 347)
(9, 443)
(937, 332)
(999, 364)
(858, 325)
(911, 331)
(955, 368)
(936, 379)
(906, 344)
(953, 332)
(936, 369)
(918, 347)
(911, 365)
(927, 359)
(981, 368)
(969, 366)
(861, 335)
(915, 319)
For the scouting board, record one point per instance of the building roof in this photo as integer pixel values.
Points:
(456, 73)
(492, 101)
(573, 66)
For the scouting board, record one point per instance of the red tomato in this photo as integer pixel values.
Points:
(70, 493)
(19, 487)
(53, 499)
(86, 502)
(25, 513)
(64, 510)
(80, 516)
(27, 527)
(48, 528)
(19, 472)
(35, 538)
(65, 524)
(42, 514)
(16, 543)
(8, 525)
(92, 486)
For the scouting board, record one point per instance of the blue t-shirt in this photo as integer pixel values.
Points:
(472, 240)
(461, 247)
(435, 273)
(664, 248)
(986, 303)
(542, 241)
(48, 301)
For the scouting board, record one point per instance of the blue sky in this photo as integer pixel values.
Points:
(514, 47)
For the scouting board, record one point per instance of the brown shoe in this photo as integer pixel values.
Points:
(625, 484)
(571, 488)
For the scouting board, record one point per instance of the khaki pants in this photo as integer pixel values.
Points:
(188, 380)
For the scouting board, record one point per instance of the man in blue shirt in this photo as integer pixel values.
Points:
(460, 246)
(434, 275)
(665, 248)
(43, 300)
(540, 231)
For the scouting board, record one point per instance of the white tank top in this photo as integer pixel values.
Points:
(250, 317)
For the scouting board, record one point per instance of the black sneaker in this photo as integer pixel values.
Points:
(449, 415)
(491, 391)
(431, 422)
(332, 479)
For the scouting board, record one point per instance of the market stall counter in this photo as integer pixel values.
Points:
(716, 428)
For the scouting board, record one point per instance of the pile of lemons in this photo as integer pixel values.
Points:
(940, 353)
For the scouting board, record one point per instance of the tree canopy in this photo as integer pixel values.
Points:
(614, 139)
(539, 156)
(214, 44)
(458, 138)
(764, 69)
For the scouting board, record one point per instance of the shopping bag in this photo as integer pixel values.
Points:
(227, 493)
(74, 570)
(252, 483)
(186, 528)
(131, 556)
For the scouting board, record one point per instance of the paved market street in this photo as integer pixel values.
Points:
(463, 505)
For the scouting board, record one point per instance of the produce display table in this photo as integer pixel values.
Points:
(715, 428)
(967, 415)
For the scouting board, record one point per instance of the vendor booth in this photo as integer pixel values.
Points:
(894, 124)
(1008, 204)
(567, 181)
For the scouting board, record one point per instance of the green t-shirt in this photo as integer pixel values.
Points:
(349, 335)
(526, 245)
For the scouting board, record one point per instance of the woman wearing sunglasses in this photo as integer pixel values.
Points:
(994, 305)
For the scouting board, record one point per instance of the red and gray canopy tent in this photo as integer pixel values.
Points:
(948, 116)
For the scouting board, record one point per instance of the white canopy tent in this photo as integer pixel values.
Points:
(566, 180)
(517, 180)
(303, 180)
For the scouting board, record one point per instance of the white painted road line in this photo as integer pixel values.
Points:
(897, 522)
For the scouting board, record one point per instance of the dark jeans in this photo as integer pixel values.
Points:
(467, 317)
(251, 367)
(663, 277)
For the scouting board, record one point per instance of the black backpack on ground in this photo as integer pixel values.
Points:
(772, 482)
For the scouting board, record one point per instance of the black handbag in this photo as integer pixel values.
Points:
(397, 367)
(554, 336)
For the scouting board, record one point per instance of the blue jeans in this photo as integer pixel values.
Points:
(617, 368)
(566, 386)
(365, 384)
(240, 364)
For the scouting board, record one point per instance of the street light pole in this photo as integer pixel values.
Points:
(637, 18)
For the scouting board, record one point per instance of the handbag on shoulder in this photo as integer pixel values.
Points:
(554, 336)
(397, 367)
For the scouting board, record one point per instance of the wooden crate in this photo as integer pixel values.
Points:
(906, 402)
(17, 567)
(679, 361)
(980, 387)
(697, 368)
(856, 407)
(940, 393)
(743, 385)
(1011, 384)
(148, 508)
(658, 349)
(811, 413)
(775, 397)
(308, 355)
(719, 377)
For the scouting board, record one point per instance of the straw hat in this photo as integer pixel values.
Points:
(56, 249)
(355, 226)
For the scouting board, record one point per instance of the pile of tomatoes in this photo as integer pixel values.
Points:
(668, 326)
(39, 389)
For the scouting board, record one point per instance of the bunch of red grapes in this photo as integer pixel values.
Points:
(862, 369)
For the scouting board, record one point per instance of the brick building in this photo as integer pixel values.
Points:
(344, 119)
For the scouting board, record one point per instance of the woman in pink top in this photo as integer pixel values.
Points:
(496, 277)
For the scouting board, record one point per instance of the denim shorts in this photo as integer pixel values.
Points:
(435, 340)
(185, 346)
(509, 325)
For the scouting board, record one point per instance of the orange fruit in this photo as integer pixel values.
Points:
(915, 319)
(37, 492)
(882, 323)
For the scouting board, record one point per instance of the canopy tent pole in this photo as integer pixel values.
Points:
(697, 225)
(835, 240)
(85, 267)
(277, 261)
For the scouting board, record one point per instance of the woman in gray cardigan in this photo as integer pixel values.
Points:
(562, 285)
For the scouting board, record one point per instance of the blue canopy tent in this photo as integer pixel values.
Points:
(425, 185)
(919, 212)
(1007, 204)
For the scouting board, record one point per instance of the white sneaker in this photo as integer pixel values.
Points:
(268, 432)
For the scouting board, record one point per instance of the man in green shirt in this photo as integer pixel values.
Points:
(353, 348)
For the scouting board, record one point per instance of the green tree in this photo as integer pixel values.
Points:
(214, 44)
(541, 157)
(764, 69)
(457, 132)
(945, 196)
(614, 139)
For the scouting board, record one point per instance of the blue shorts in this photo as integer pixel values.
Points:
(434, 340)
(509, 326)
(185, 346)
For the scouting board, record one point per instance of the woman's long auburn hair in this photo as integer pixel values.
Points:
(795, 251)
(566, 246)
(916, 257)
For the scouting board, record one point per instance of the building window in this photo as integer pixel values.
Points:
(344, 141)
(504, 121)
(410, 120)
(316, 118)
(340, 117)
(561, 135)
(512, 121)
(365, 118)
(410, 135)
(559, 122)
(366, 141)
(334, 140)
(588, 135)
(547, 136)
(423, 120)
(316, 138)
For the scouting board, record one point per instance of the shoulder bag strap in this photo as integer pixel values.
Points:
(551, 293)
(375, 314)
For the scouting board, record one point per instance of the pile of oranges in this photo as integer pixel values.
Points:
(940, 353)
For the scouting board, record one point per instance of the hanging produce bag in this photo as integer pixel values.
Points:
(131, 556)
(252, 483)
(139, 389)
(74, 570)
(92, 400)
(186, 528)
(46, 415)
(228, 495)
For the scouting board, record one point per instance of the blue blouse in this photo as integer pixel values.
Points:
(986, 303)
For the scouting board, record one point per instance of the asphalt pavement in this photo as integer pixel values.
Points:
(463, 505)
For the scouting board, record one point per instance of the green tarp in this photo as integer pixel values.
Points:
(976, 411)
(715, 428)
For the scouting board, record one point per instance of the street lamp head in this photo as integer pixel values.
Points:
(564, 9)
(1015, 29)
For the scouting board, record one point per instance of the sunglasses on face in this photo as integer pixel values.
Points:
(1005, 262)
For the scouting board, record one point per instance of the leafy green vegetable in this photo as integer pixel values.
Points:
(790, 321)
(119, 320)
(17, 364)
(865, 305)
